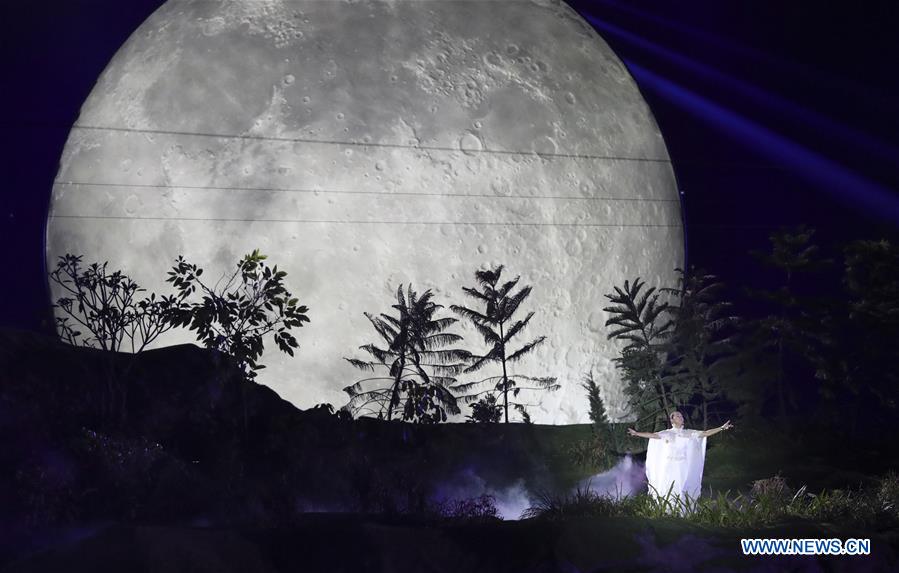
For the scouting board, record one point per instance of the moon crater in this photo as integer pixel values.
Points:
(367, 145)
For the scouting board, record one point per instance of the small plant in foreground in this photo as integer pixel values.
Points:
(485, 410)
(775, 486)
(477, 508)
(887, 494)
(582, 502)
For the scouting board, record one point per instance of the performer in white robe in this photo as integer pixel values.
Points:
(675, 458)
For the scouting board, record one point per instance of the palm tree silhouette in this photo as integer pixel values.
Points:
(420, 366)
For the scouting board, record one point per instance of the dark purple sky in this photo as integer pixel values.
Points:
(774, 113)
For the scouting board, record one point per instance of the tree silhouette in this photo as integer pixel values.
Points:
(106, 305)
(495, 325)
(639, 320)
(598, 413)
(595, 451)
(486, 410)
(235, 321)
(702, 339)
(860, 356)
(234, 318)
(420, 368)
(791, 329)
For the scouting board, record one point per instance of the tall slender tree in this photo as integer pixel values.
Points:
(419, 366)
(702, 340)
(597, 409)
(496, 325)
(860, 357)
(791, 331)
(640, 320)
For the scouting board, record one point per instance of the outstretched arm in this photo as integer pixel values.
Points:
(725, 426)
(634, 432)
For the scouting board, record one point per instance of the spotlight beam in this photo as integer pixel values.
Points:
(844, 184)
(785, 108)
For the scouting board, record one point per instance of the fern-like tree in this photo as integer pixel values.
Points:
(597, 409)
(496, 325)
(640, 320)
(702, 340)
(605, 436)
(419, 364)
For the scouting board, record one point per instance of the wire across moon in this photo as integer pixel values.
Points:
(366, 144)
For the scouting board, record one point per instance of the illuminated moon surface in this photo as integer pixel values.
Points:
(366, 144)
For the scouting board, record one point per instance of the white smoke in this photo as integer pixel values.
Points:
(627, 478)
(510, 501)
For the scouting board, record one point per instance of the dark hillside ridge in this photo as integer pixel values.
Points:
(195, 442)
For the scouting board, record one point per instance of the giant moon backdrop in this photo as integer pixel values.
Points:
(368, 144)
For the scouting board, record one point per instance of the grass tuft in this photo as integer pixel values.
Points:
(769, 502)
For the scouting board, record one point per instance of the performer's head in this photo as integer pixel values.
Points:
(677, 419)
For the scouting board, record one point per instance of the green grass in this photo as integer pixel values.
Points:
(873, 507)
(734, 460)
(840, 486)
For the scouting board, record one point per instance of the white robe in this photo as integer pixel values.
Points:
(675, 460)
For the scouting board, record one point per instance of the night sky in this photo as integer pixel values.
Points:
(774, 113)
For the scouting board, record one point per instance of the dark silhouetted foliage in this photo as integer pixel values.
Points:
(858, 361)
(702, 341)
(495, 324)
(791, 337)
(640, 321)
(486, 410)
(481, 508)
(234, 318)
(106, 305)
(420, 367)
(597, 408)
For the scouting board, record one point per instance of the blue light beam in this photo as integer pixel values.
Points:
(845, 185)
(785, 107)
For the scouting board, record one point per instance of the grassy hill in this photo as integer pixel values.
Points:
(184, 465)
